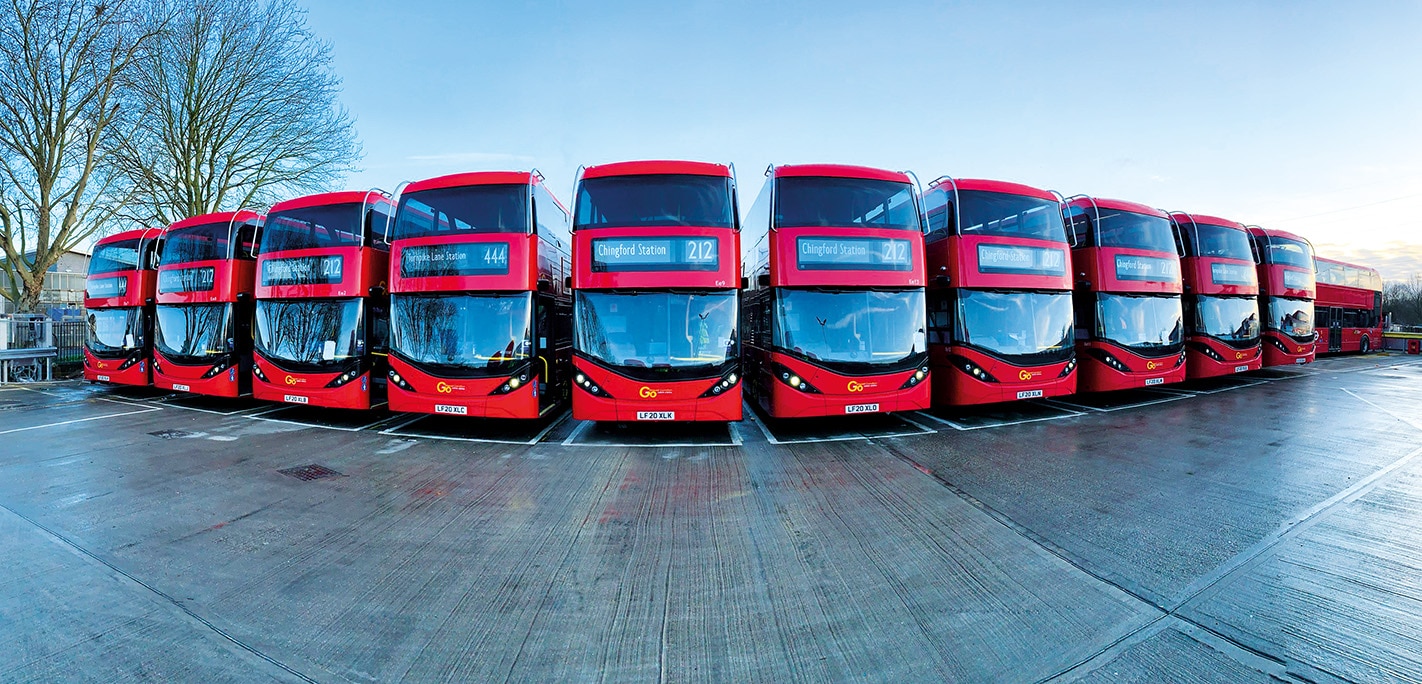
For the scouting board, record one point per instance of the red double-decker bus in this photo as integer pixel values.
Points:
(1130, 329)
(999, 299)
(118, 298)
(834, 318)
(481, 321)
(202, 335)
(1221, 296)
(1286, 294)
(321, 319)
(1348, 308)
(656, 278)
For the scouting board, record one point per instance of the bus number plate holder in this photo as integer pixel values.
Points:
(861, 408)
(181, 388)
(295, 399)
(1030, 394)
(451, 409)
(656, 415)
(101, 378)
(1154, 381)
(1240, 369)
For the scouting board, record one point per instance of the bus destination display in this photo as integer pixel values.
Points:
(1018, 259)
(201, 279)
(610, 255)
(1232, 274)
(107, 287)
(1132, 267)
(464, 259)
(852, 254)
(1298, 280)
(312, 270)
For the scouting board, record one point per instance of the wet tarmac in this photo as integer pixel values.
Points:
(1260, 528)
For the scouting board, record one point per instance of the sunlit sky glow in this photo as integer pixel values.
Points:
(1301, 116)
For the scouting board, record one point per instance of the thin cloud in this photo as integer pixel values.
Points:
(1395, 261)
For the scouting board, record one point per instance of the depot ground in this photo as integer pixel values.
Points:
(1249, 529)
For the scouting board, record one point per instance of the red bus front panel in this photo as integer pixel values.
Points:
(600, 394)
(220, 378)
(414, 391)
(1106, 367)
(329, 390)
(133, 369)
(965, 376)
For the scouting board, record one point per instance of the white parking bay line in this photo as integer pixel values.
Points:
(148, 409)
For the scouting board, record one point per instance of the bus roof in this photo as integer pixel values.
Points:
(215, 217)
(839, 171)
(1004, 187)
(657, 167)
(1360, 267)
(459, 180)
(1274, 232)
(1203, 218)
(1118, 205)
(136, 234)
(327, 198)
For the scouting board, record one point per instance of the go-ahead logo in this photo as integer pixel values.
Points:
(856, 386)
(649, 393)
(1152, 365)
(446, 388)
(290, 380)
(1027, 375)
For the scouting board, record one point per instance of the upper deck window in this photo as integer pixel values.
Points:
(1289, 253)
(1004, 215)
(331, 225)
(1097, 227)
(207, 242)
(1213, 241)
(115, 256)
(463, 211)
(845, 202)
(656, 200)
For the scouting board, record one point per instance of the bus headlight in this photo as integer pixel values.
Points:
(513, 383)
(590, 387)
(399, 381)
(725, 383)
(257, 371)
(345, 377)
(1071, 366)
(793, 379)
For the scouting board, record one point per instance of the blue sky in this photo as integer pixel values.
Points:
(1303, 116)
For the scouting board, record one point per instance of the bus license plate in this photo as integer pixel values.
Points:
(1300, 360)
(1240, 369)
(1154, 381)
(295, 399)
(656, 415)
(1029, 394)
(102, 378)
(452, 410)
(181, 388)
(862, 408)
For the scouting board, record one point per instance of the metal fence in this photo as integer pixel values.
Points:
(69, 341)
(27, 351)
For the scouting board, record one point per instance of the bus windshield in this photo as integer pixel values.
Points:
(1001, 214)
(1220, 242)
(852, 330)
(1130, 230)
(115, 256)
(1293, 317)
(657, 200)
(332, 225)
(1146, 323)
(1290, 253)
(1021, 327)
(1228, 318)
(692, 334)
(207, 242)
(462, 211)
(114, 331)
(310, 333)
(464, 335)
(845, 202)
(193, 332)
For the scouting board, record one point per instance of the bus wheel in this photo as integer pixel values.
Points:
(1363, 345)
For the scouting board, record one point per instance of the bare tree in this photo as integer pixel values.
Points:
(1403, 299)
(63, 67)
(245, 109)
